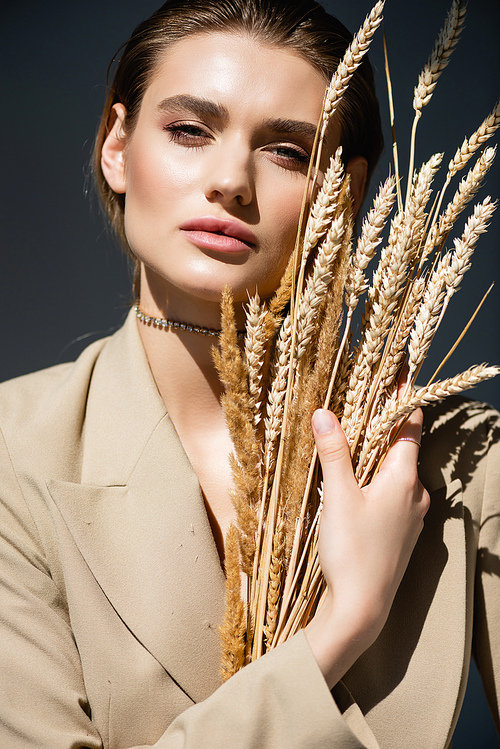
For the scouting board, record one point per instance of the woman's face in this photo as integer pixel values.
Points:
(214, 171)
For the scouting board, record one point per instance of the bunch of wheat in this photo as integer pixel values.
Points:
(299, 355)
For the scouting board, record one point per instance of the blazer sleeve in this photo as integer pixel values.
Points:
(280, 701)
(486, 633)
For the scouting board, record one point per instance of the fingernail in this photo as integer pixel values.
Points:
(322, 421)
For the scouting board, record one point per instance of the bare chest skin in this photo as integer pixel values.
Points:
(189, 386)
(208, 450)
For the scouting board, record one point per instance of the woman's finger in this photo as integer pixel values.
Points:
(411, 431)
(407, 444)
(333, 450)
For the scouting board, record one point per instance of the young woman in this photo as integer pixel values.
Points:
(115, 481)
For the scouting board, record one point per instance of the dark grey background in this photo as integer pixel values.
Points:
(63, 280)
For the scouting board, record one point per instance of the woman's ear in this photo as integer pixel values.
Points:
(357, 168)
(113, 151)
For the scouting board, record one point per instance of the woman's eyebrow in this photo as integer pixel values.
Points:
(194, 105)
(291, 127)
(207, 108)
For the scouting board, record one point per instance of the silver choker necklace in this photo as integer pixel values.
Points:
(164, 324)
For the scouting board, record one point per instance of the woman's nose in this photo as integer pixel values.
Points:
(229, 177)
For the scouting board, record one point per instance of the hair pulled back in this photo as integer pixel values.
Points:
(300, 25)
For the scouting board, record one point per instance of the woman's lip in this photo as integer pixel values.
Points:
(210, 227)
(218, 242)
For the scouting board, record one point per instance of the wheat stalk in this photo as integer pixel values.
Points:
(300, 353)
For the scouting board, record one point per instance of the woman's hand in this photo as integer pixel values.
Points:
(366, 539)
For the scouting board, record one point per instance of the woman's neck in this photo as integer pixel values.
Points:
(181, 361)
(182, 366)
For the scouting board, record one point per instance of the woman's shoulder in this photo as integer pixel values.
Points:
(49, 419)
(23, 397)
(42, 414)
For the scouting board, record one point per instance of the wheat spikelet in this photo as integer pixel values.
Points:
(420, 195)
(469, 147)
(351, 61)
(467, 188)
(397, 351)
(276, 399)
(233, 629)
(317, 285)
(427, 318)
(275, 582)
(369, 240)
(325, 204)
(465, 246)
(440, 56)
(255, 346)
(376, 441)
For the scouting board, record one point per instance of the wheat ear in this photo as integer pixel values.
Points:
(317, 285)
(255, 349)
(438, 60)
(470, 145)
(239, 414)
(376, 441)
(466, 190)
(232, 631)
(476, 225)
(369, 240)
(325, 204)
(351, 61)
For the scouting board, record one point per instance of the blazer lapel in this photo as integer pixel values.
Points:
(139, 520)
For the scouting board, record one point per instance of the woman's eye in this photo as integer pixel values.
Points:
(291, 157)
(187, 134)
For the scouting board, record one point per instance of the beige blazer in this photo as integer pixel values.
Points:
(111, 590)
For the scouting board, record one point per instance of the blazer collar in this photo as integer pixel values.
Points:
(138, 519)
(123, 409)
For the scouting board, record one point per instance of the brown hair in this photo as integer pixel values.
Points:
(301, 25)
